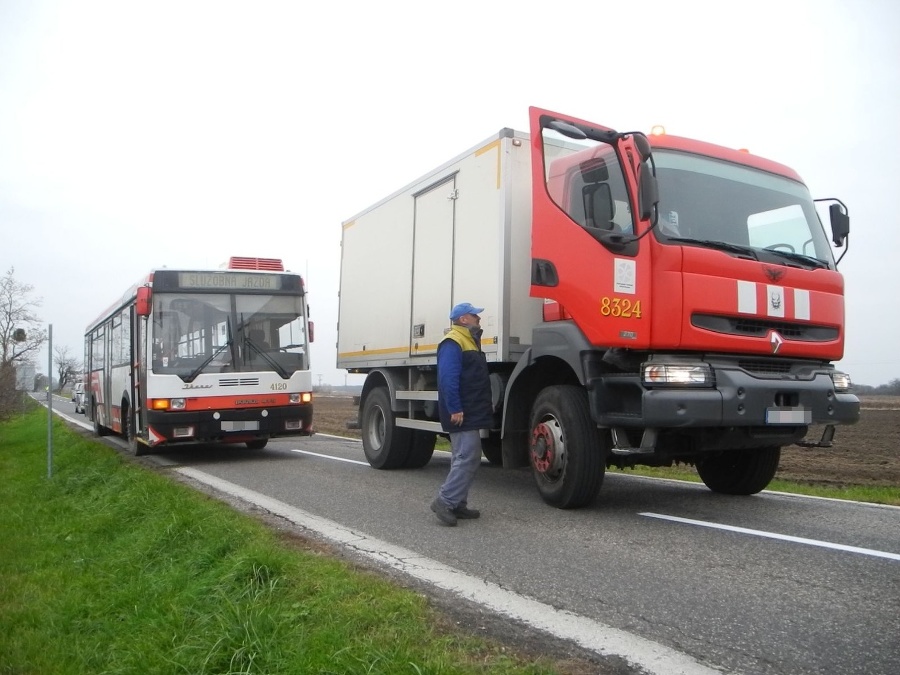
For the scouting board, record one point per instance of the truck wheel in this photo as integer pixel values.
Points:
(744, 472)
(257, 443)
(421, 448)
(566, 449)
(386, 445)
(492, 449)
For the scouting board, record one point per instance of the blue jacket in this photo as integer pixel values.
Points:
(463, 381)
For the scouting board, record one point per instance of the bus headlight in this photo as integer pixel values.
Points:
(177, 404)
(304, 397)
(677, 375)
(841, 381)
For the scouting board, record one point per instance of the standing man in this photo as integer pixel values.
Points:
(464, 402)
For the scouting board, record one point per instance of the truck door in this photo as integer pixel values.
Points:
(585, 253)
(432, 265)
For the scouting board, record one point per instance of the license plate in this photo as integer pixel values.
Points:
(240, 426)
(788, 416)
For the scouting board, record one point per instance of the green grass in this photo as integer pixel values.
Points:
(859, 493)
(108, 567)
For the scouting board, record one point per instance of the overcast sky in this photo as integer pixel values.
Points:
(135, 135)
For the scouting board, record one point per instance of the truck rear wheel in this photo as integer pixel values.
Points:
(743, 472)
(566, 449)
(492, 448)
(385, 444)
(421, 448)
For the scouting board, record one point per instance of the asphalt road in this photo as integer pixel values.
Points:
(769, 584)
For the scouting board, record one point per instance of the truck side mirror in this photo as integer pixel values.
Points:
(840, 224)
(649, 190)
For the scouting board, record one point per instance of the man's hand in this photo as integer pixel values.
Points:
(456, 418)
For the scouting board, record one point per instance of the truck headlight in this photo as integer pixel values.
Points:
(677, 375)
(841, 381)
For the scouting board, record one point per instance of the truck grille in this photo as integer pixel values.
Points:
(744, 327)
(765, 368)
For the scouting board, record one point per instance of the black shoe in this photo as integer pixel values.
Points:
(444, 513)
(465, 513)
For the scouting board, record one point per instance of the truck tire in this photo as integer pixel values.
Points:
(421, 448)
(566, 449)
(492, 448)
(385, 444)
(743, 472)
(257, 443)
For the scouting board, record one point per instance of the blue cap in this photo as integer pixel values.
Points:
(464, 308)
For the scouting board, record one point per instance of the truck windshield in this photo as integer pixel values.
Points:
(215, 333)
(707, 202)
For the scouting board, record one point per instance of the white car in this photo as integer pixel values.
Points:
(78, 397)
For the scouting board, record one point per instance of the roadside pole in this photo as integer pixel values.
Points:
(50, 403)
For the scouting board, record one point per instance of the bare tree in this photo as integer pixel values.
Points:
(21, 334)
(68, 367)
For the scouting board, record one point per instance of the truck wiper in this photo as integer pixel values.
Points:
(799, 257)
(748, 251)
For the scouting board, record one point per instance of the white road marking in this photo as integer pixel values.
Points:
(654, 658)
(775, 535)
(337, 459)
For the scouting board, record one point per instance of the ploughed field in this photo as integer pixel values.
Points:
(867, 453)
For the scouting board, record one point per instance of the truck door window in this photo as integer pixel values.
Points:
(584, 179)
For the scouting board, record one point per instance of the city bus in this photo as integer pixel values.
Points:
(203, 356)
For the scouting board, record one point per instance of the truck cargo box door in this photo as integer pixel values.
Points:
(432, 265)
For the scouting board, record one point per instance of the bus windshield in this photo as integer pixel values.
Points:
(708, 202)
(195, 333)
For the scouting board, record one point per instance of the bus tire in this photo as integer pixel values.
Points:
(99, 429)
(257, 443)
(743, 472)
(385, 445)
(135, 447)
(566, 450)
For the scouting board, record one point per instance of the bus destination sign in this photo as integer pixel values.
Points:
(229, 281)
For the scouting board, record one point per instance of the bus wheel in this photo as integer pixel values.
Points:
(386, 445)
(743, 472)
(257, 443)
(135, 447)
(421, 448)
(566, 449)
(99, 429)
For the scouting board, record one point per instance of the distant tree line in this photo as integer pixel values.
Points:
(892, 388)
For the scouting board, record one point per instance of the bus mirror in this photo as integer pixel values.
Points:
(144, 301)
(312, 331)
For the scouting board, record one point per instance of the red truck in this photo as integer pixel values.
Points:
(648, 300)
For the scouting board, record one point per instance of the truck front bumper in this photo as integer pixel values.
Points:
(738, 399)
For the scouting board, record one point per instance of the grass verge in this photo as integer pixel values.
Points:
(110, 568)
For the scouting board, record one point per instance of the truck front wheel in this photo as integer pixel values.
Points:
(385, 444)
(566, 449)
(743, 472)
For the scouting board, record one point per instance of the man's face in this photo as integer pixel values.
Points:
(471, 320)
